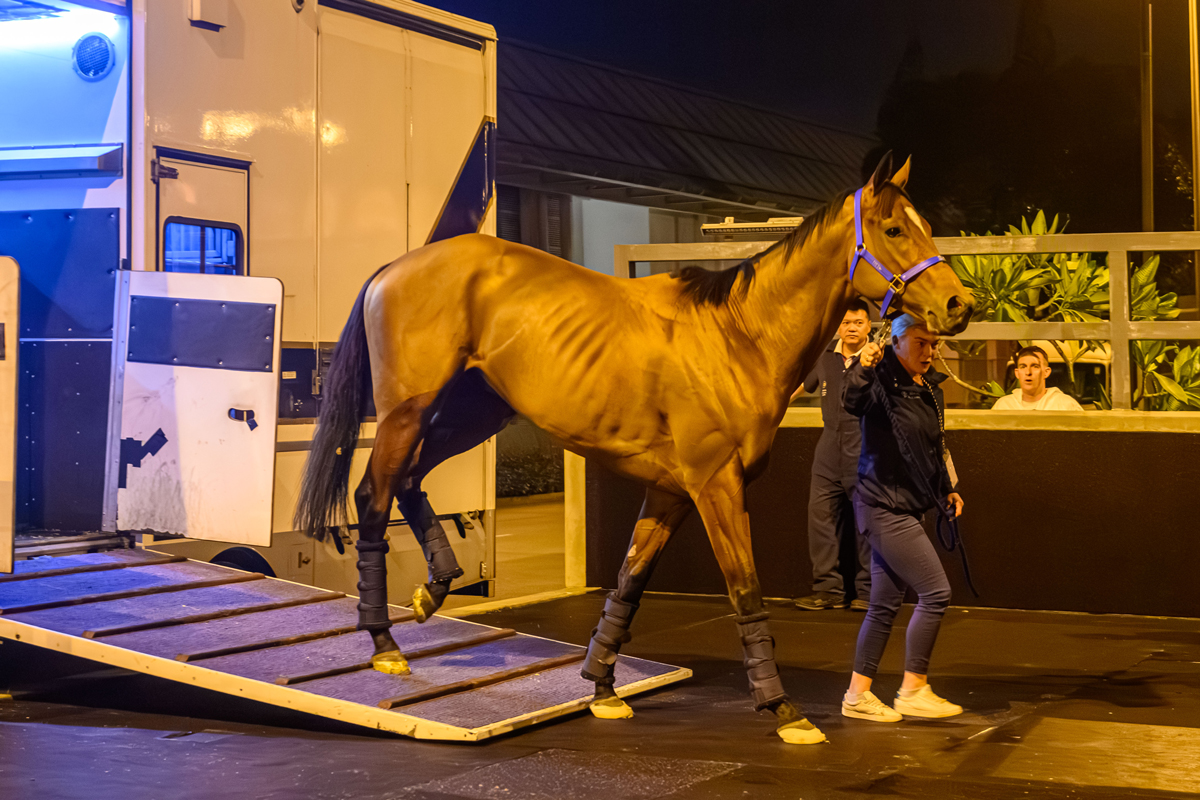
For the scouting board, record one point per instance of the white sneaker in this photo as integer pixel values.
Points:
(868, 707)
(926, 704)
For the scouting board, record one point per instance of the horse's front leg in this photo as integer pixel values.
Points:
(661, 514)
(722, 507)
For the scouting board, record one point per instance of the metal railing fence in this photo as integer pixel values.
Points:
(1119, 330)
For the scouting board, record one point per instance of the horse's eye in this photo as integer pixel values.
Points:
(892, 233)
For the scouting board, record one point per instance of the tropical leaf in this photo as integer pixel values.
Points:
(1172, 388)
(1146, 303)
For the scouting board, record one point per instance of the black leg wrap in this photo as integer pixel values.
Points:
(758, 647)
(443, 566)
(438, 591)
(607, 637)
(372, 586)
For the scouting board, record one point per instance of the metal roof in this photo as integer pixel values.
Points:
(572, 126)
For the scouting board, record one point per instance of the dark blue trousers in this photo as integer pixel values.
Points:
(902, 556)
(830, 521)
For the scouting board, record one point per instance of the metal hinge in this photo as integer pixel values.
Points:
(158, 170)
(324, 359)
(483, 569)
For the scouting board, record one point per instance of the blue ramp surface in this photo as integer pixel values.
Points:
(292, 645)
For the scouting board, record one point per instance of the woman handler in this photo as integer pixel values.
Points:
(902, 474)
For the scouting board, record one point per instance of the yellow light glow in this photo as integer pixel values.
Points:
(233, 126)
(300, 119)
(332, 134)
(228, 125)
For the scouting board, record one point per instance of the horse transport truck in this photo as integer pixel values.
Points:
(194, 191)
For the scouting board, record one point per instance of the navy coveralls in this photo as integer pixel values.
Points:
(834, 473)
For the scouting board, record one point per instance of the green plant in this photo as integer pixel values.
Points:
(1145, 301)
(1005, 286)
(1183, 386)
(1074, 287)
(1079, 293)
(1155, 389)
(1168, 376)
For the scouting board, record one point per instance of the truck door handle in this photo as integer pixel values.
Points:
(243, 415)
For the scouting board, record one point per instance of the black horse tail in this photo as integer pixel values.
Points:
(345, 391)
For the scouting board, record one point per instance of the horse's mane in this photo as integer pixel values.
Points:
(714, 287)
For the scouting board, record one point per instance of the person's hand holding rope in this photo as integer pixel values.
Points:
(871, 354)
(954, 502)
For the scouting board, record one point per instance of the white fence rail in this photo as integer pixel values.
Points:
(1119, 330)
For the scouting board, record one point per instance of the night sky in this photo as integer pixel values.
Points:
(827, 62)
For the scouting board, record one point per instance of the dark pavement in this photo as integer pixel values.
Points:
(1058, 706)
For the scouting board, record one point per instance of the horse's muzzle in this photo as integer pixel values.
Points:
(956, 316)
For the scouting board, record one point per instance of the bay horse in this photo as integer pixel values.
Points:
(677, 382)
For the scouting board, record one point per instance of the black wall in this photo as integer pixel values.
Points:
(1060, 520)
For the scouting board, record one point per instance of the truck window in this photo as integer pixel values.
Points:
(202, 246)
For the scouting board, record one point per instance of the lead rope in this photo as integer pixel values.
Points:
(946, 528)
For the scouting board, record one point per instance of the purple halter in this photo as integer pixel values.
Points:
(896, 283)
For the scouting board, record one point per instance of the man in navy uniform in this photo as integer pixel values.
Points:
(834, 473)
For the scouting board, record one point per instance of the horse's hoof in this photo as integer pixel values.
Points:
(801, 732)
(611, 708)
(391, 663)
(423, 605)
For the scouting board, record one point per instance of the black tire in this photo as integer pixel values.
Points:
(245, 559)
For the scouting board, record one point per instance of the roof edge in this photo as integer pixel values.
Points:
(520, 45)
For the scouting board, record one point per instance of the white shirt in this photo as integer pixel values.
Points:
(1052, 400)
(840, 349)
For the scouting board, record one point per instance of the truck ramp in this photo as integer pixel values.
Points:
(296, 646)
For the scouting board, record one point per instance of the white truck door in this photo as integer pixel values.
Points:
(203, 213)
(10, 307)
(199, 361)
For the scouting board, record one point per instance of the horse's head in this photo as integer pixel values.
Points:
(892, 238)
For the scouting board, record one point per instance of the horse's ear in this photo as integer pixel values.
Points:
(882, 173)
(901, 176)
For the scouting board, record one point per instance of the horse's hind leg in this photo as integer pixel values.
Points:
(722, 506)
(397, 439)
(661, 514)
(427, 528)
(468, 413)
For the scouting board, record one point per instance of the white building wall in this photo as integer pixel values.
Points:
(600, 225)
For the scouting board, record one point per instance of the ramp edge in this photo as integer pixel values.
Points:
(297, 700)
(563, 709)
(237, 686)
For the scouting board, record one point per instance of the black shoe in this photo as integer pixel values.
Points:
(859, 605)
(821, 601)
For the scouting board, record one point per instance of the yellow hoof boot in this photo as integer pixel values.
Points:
(423, 605)
(393, 663)
(802, 732)
(611, 708)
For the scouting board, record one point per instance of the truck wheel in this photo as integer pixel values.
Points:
(245, 559)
